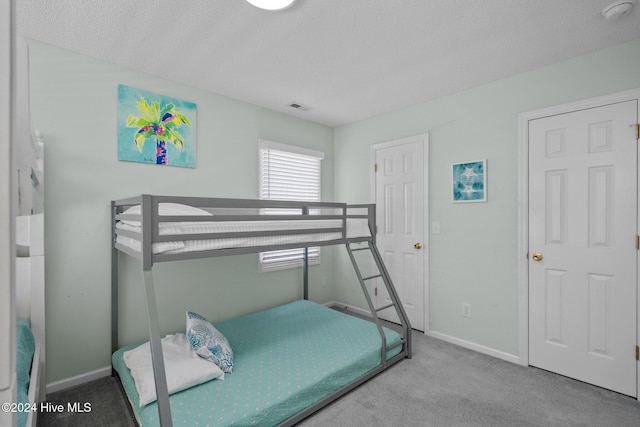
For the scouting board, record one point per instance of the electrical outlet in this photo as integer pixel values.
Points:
(324, 281)
(466, 309)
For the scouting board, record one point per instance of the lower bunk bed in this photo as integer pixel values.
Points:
(30, 318)
(287, 361)
(27, 361)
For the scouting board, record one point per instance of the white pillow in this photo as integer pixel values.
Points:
(165, 209)
(183, 367)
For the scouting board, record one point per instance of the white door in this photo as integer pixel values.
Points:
(582, 245)
(400, 212)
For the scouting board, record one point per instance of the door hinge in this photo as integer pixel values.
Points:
(375, 167)
(637, 352)
(637, 242)
(637, 130)
(376, 291)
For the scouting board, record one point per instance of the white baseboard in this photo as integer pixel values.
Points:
(78, 379)
(444, 337)
(476, 347)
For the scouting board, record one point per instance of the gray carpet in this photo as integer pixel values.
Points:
(446, 385)
(108, 406)
(442, 385)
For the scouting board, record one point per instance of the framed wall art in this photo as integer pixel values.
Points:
(155, 129)
(470, 181)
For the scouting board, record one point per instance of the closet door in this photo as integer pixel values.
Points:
(7, 326)
(582, 245)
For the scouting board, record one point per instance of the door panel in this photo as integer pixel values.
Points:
(400, 200)
(583, 222)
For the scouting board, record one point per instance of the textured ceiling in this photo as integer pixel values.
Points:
(347, 59)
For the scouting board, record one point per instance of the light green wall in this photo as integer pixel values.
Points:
(473, 260)
(74, 105)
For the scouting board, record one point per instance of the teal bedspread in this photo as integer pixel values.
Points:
(25, 347)
(285, 359)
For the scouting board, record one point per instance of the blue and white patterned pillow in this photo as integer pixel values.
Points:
(208, 342)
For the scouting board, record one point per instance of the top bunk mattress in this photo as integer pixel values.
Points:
(185, 236)
(285, 359)
(355, 228)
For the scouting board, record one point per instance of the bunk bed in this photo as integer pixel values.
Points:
(30, 313)
(29, 279)
(341, 351)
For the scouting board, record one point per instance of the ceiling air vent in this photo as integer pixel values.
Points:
(300, 107)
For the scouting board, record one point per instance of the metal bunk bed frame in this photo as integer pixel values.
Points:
(150, 219)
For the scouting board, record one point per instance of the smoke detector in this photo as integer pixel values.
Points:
(618, 9)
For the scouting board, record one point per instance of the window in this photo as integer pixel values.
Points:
(288, 172)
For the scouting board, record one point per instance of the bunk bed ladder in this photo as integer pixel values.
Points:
(395, 300)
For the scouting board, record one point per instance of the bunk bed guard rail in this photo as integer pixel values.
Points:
(327, 220)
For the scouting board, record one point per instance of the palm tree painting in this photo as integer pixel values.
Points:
(155, 129)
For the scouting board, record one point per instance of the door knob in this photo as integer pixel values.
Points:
(537, 256)
(418, 246)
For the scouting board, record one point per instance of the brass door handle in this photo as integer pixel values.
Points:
(537, 256)
(418, 246)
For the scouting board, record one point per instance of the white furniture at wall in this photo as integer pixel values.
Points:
(30, 297)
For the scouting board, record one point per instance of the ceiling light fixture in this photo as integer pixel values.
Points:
(618, 9)
(272, 4)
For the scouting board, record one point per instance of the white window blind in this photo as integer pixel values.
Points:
(288, 173)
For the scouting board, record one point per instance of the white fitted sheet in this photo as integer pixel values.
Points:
(356, 227)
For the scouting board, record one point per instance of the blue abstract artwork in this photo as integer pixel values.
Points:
(155, 129)
(470, 181)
